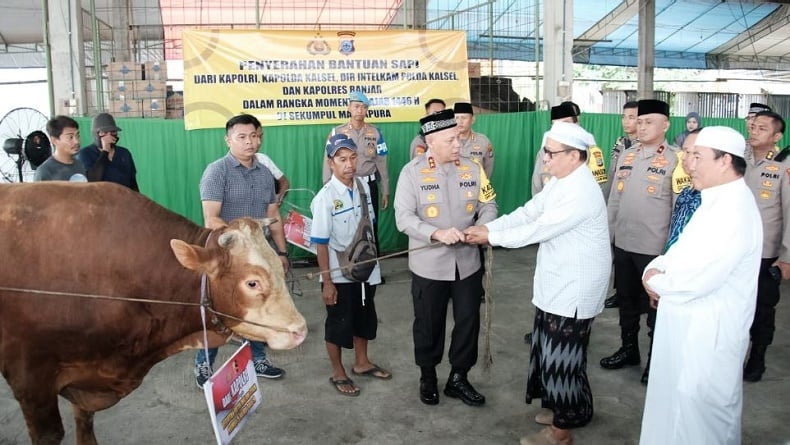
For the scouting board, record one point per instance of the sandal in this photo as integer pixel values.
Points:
(376, 372)
(344, 382)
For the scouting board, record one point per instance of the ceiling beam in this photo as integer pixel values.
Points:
(768, 25)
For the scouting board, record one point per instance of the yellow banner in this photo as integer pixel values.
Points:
(305, 77)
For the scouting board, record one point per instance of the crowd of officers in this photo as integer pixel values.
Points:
(445, 188)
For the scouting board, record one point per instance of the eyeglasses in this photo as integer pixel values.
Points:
(552, 153)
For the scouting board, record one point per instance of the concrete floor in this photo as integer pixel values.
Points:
(304, 409)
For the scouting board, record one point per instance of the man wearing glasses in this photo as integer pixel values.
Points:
(640, 208)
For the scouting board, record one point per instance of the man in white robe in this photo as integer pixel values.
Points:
(705, 288)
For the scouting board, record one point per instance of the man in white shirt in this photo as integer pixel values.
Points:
(569, 220)
(705, 288)
(351, 319)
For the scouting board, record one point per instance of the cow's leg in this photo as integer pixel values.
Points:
(43, 419)
(83, 421)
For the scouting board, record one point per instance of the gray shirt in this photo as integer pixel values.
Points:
(243, 192)
(432, 196)
(371, 154)
(769, 181)
(478, 148)
(54, 170)
(641, 200)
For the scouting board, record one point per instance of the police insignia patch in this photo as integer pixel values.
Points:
(620, 186)
(651, 189)
(338, 204)
(465, 176)
(431, 197)
(470, 208)
(431, 211)
(765, 194)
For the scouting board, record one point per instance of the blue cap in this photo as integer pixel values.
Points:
(339, 141)
(359, 96)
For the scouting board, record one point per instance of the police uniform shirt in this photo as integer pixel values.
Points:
(641, 199)
(769, 181)
(337, 211)
(429, 197)
(478, 148)
(621, 144)
(541, 175)
(371, 152)
(418, 146)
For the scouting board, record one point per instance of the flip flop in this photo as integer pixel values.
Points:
(374, 372)
(338, 383)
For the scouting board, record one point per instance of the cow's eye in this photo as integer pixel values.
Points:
(252, 284)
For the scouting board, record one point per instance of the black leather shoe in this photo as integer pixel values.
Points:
(611, 302)
(755, 366)
(429, 392)
(459, 388)
(625, 356)
(528, 338)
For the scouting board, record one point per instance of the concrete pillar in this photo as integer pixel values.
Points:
(419, 13)
(68, 60)
(119, 20)
(647, 49)
(557, 46)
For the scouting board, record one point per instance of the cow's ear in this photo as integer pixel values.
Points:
(192, 257)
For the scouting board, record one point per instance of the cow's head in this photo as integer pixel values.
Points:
(247, 281)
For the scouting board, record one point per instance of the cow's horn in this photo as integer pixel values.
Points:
(226, 240)
(265, 222)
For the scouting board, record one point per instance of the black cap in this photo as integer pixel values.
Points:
(653, 106)
(565, 109)
(463, 108)
(757, 107)
(441, 120)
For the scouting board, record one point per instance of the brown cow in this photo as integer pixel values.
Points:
(104, 239)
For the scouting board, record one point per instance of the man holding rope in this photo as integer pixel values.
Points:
(568, 219)
(438, 196)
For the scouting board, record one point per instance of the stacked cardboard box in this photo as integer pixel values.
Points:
(175, 104)
(137, 90)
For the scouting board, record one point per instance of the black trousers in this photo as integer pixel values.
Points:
(628, 268)
(430, 298)
(374, 199)
(763, 326)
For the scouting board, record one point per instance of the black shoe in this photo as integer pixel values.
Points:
(383, 281)
(611, 302)
(429, 392)
(528, 338)
(625, 356)
(755, 366)
(645, 374)
(459, 388)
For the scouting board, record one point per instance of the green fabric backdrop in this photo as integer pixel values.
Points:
(170, 160)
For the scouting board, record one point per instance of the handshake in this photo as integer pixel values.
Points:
(470, 235)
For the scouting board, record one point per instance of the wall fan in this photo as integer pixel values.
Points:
(25, 145)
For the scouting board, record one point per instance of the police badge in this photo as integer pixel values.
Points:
(346, 42)
(318, 46)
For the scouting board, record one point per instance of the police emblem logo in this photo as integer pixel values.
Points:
(431, 211)
(598, 156)
(338, 204)
(765, 194)
(651, 189)
(772, 168)
(465, 176)
(346, 42)
(371, 151)
(318, 46)
(431, 197)
(629, 158)
(768, 184)
(470, 208)
(769, 155)
(620, 186)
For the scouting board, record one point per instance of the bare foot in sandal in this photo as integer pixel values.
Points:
(374, 371)
(344, 386)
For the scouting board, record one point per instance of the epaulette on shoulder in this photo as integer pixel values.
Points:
(782, 154)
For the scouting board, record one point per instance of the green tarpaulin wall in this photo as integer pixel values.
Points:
(170, 160)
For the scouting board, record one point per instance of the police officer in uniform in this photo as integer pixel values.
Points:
(371, 151)
(418, 144)
(640, 207)
(474, 146)
(570, 112)
(754, 108)
(768, 176)
(439, 195)
(623, 143)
